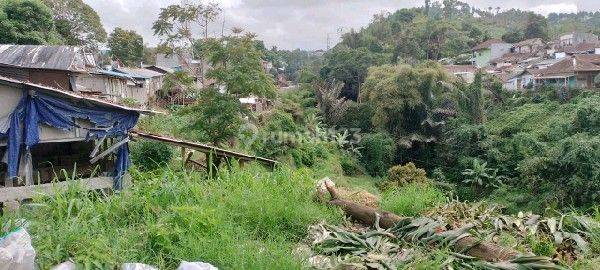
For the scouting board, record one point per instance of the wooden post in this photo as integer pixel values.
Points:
(28, 168)
(183, 156)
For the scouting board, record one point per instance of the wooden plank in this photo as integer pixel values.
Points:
(217, 152)
(109, 150)
(28, 192)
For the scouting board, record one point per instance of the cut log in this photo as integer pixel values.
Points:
(367, 216)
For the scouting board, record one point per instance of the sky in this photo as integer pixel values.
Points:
(304, 24)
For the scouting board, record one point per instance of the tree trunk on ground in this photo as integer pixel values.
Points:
(367, 216)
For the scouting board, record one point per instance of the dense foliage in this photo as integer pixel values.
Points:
(77, 23)
(27, 22)
(126, 46)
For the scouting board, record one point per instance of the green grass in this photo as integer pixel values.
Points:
(412, 199)
(245, 219)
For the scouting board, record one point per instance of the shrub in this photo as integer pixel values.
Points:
(306, 154)
(377, 153)
(350, 165)
(412, 199)
(150, 156)
(399, 176)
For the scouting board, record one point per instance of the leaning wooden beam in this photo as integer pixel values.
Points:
(108, 151)
(367, 216)
(28, 192)
(218, 152)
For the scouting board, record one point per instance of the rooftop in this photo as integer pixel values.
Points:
(488, 43)
(72, 95)
(141, 73)
(66, 58)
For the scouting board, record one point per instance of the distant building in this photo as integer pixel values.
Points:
(146, 83)
(185, 62)
(581, 48)
(255, 104)
(576, 71)
(576, 38)
(464, 72)
(519, 80)
(491, 49)
(533, 45)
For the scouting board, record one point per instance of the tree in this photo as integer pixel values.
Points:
(176, 22)
(513, 36)
(537, 27)
(216, 117)
(475, 99)
(237, 65)
(349, 66)
(77, 23)
(406, 100)
(127, 46)
(26, 22)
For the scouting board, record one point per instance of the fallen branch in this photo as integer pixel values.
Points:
(468, 245)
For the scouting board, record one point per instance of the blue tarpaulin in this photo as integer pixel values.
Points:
(35, 109)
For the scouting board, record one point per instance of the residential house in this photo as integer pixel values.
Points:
(576, 38)
(52, 66)
(576, 71)
(44, 130)
(255, 104)
(488, 50)
(544, 63)
(464, 72)
(581, 48)
(146, 84)
(533, 45)
(112, 86)
(64, 67)
(513, 59)
(519, 80)
(185, 62)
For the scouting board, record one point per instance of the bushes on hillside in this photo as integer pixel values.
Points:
(400, 176)
(150, 156)
(377, 153)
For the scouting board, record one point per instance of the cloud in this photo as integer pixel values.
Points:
(294, 24)
(555, 8)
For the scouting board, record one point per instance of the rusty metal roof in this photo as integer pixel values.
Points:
(68, 58)
(73, 95)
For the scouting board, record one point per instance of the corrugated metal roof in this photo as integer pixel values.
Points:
(140, 73)
(45, 57)
(74, 95)
(112, 73)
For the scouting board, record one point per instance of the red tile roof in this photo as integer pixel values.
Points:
(570, 65)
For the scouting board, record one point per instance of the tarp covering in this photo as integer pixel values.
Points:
(35, 109)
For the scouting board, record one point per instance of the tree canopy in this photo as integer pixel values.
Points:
(77, 23)
(237, 64)
(26, 22)
(127, 46)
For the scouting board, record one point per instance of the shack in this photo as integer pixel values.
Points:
(44, 130)
(146, 83)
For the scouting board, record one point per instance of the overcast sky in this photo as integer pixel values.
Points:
(304, 24)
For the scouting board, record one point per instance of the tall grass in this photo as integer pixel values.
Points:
(243, 219)
(412, 199)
